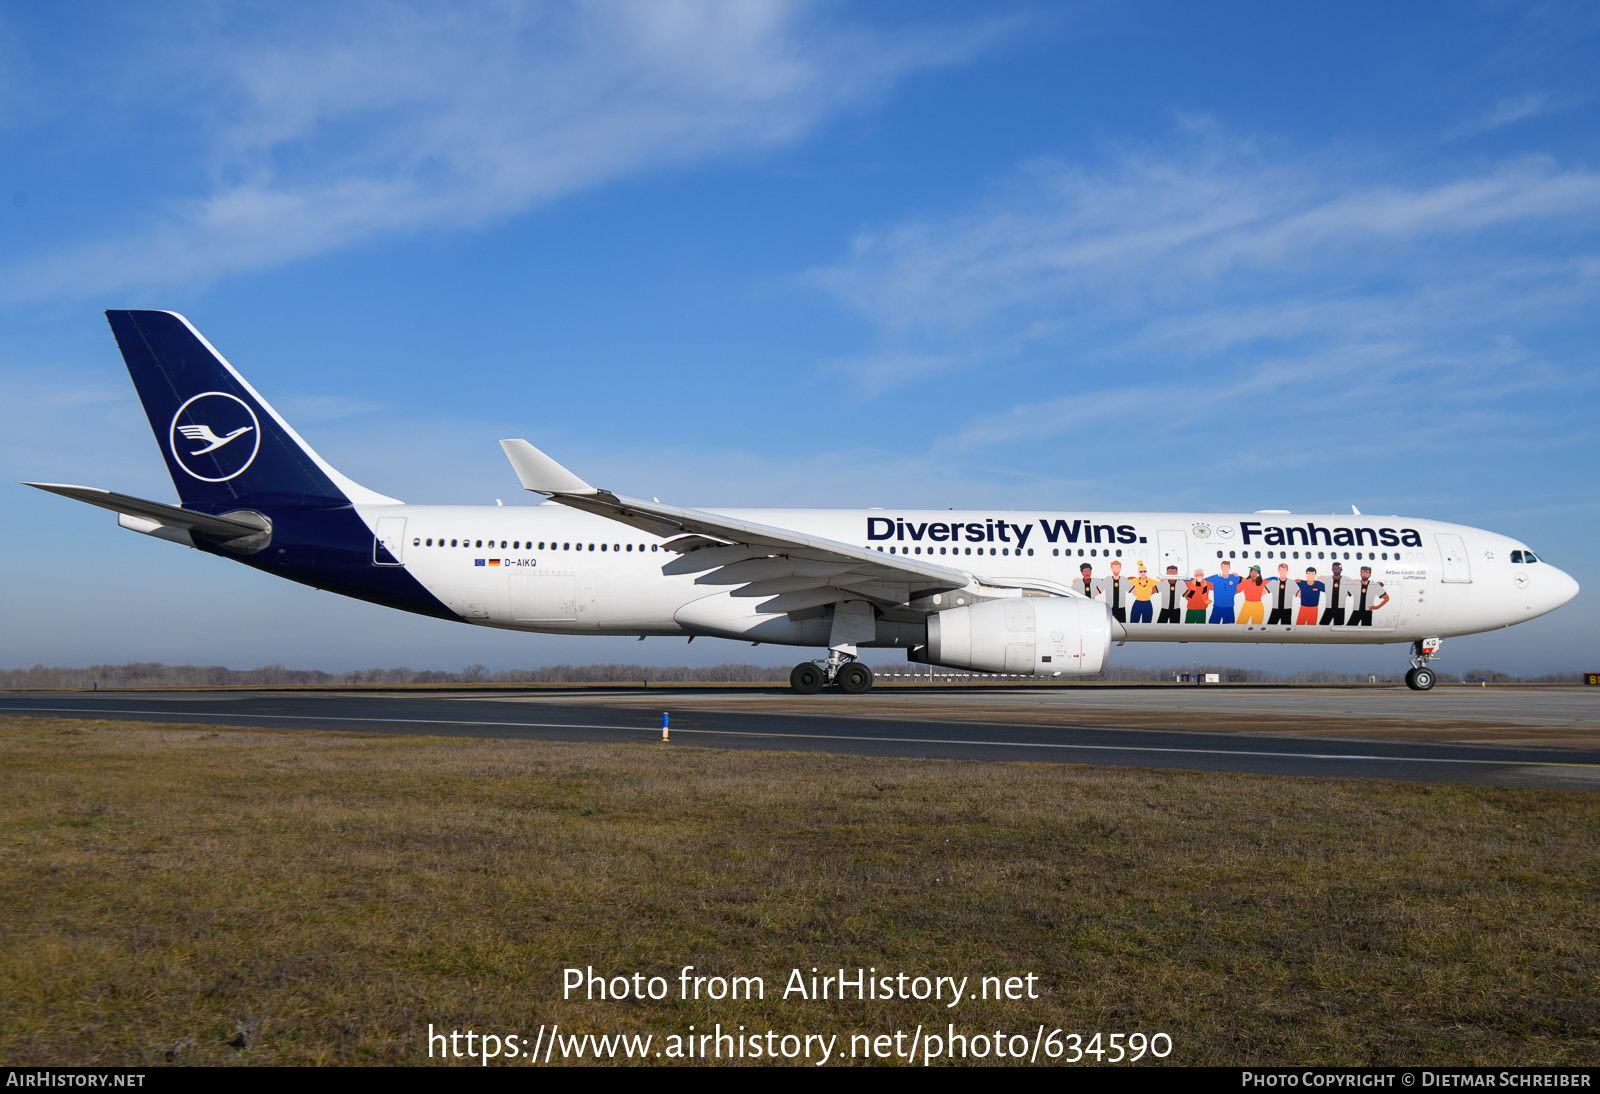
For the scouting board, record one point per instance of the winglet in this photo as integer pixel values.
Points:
(540, 473)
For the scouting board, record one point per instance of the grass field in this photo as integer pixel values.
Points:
(323, 898)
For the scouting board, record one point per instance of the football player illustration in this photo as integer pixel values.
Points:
(1198, 594)
(1170, 612)
(1333, 614)
(1362, 605)
(1143, 588)
(1086, 584)
(1311, 591)
(1117, 593)
(1225, 586)
(1281, 594)
(1253, 589)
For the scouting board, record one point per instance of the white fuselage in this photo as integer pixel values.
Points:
(553, 569)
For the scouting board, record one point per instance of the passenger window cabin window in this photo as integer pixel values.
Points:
(452, 543)
(430, 541)
(416, 543)
(1030, 552)
(1119, 552)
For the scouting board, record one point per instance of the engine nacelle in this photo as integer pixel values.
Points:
(1030, 635)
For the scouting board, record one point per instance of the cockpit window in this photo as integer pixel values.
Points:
(1528, 556)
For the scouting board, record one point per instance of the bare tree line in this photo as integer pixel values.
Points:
(155, 674)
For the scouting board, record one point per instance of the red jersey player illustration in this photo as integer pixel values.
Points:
(1198, 594)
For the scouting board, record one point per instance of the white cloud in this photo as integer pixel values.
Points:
(1507, 110)
(1217, 313)
(1064, 247)
(326, 127)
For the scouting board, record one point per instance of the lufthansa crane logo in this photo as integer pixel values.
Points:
(214, 436)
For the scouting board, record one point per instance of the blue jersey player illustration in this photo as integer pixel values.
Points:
(1226, 586)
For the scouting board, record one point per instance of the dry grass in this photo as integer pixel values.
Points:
(165, 885)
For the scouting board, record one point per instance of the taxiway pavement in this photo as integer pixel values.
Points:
(881, 728)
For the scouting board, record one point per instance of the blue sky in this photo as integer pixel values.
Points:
(1131, 256)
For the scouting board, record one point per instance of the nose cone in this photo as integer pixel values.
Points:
(1562, 588)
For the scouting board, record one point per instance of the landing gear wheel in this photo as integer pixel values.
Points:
(854, 678)
(1420, 679)
(807, 678)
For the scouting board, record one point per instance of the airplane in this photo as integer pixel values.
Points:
(1022, 593)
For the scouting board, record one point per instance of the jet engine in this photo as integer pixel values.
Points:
(1029, 635)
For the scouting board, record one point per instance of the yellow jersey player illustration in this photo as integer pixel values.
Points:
(1143, 587)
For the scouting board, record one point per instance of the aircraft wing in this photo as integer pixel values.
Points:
(170, 516)
(794, 570)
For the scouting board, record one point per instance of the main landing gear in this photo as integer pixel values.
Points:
(1421, 677)
(846, 673)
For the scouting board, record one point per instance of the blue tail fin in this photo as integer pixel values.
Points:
(224, 445)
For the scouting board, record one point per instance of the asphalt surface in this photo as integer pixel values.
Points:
(551, 720)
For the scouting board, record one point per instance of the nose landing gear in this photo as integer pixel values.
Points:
(1421, 677)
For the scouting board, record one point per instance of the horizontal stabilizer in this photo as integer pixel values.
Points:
(540, 474)
(171, 516)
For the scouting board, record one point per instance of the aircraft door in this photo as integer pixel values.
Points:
(388, 545)
(1174, 552)
(1453, 550)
